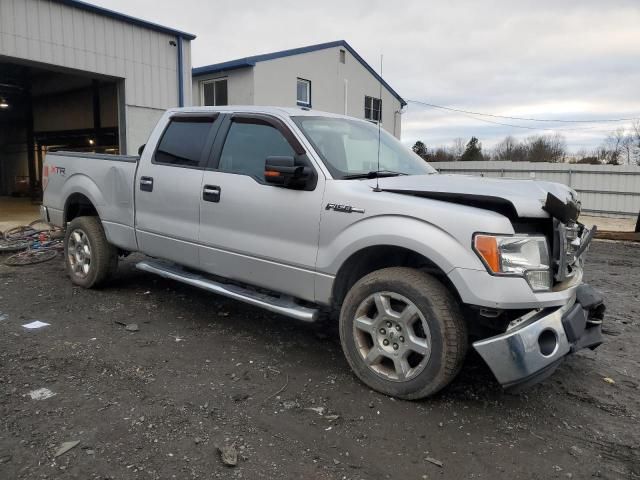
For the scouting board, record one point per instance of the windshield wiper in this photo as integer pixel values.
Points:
(373, 174)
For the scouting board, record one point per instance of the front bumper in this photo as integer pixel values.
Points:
(535, 344)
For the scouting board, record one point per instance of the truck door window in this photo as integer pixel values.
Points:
(248, 145)
(183, 140)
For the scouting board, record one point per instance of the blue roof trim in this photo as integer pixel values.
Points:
(224, 66)
(125, 18)
(251, 62)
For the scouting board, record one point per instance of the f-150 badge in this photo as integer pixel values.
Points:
(343, 208)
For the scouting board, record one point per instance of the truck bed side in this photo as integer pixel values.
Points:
(106, 181)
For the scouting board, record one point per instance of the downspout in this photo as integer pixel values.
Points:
(346, 95)
(180, 73)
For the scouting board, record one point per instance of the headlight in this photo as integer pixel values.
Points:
(517, 255)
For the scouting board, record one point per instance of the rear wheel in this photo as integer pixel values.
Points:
(402, 332)
(89, 258)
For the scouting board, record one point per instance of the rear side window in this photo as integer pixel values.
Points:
(247, 147)
(183, 141)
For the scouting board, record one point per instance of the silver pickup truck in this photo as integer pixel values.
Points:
(306, 213)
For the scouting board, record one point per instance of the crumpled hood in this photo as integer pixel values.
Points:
(527, 197)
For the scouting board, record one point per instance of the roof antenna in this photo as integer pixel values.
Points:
(378, 189)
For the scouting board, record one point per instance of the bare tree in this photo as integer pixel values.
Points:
(458, 147)
(546, 148)
(612, 147)
(635, 133)
(505, 149)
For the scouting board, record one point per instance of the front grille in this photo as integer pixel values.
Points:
(567, 240)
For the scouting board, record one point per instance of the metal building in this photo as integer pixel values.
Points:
(79, 77)
(331, 77)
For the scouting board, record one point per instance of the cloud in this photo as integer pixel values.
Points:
(542, 58)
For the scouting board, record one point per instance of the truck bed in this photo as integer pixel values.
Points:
(107, 181)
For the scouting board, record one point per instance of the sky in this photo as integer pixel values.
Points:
(562, 59)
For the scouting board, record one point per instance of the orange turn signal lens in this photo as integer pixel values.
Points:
(487, 247)
(271, 173)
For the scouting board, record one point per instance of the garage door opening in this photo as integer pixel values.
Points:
(43, 110)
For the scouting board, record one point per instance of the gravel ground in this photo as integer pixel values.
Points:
(203, 373)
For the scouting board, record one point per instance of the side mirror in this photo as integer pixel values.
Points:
(283, 171)
(141, 149)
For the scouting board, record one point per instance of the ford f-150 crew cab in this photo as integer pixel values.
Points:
(307, 213)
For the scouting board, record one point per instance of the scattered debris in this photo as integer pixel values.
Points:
(41, 394)
(576, 451)
(132, 327)
(65, 447)
(223, 314)
(35, 324)
(284, 387)
(3, 317)
(89, 451)
(434, 461)
(318, 410)
(240, 397)
(229, 455)
(336, 461)
(289, 404)
(331, 418)
(5, 458)
(197, 440)
(609, 380)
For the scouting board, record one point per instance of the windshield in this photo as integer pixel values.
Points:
(349, 148)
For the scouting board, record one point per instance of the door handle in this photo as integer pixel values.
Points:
(146, 184)
(211, 193)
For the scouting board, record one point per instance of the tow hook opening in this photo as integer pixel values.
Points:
(548, 342)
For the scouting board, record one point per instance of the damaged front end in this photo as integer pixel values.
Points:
(570, 239)
(535, 344)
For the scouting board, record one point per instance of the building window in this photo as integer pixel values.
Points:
(372, 109)
(343, 56)
(214, 92)
(303, 96)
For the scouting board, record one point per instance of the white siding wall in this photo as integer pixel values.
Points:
(239, 85)
(54, 34)
(275, 84)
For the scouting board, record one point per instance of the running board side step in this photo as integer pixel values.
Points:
(282, 305)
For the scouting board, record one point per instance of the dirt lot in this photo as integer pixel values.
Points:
(203, 372)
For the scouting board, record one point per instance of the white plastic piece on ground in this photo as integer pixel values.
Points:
(65, 447)
(3, 317)
(41, 394)
(34, 325)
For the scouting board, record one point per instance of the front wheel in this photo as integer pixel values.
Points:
(403, 333)
(90, 259)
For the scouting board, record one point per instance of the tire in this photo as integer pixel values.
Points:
(429, 354)
(93, 267)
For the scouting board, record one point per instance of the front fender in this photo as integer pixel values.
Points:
(420, 236)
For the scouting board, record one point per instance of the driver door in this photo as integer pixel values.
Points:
(250, 230)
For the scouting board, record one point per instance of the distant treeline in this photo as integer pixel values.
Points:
(621, 147)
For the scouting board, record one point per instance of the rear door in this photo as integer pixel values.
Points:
(252, 231)
(168, 188)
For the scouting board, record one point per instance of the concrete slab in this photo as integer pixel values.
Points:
(610, 224)
(17, 211)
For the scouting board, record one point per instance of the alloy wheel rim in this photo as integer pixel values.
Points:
(392, 336)
(79, 253)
